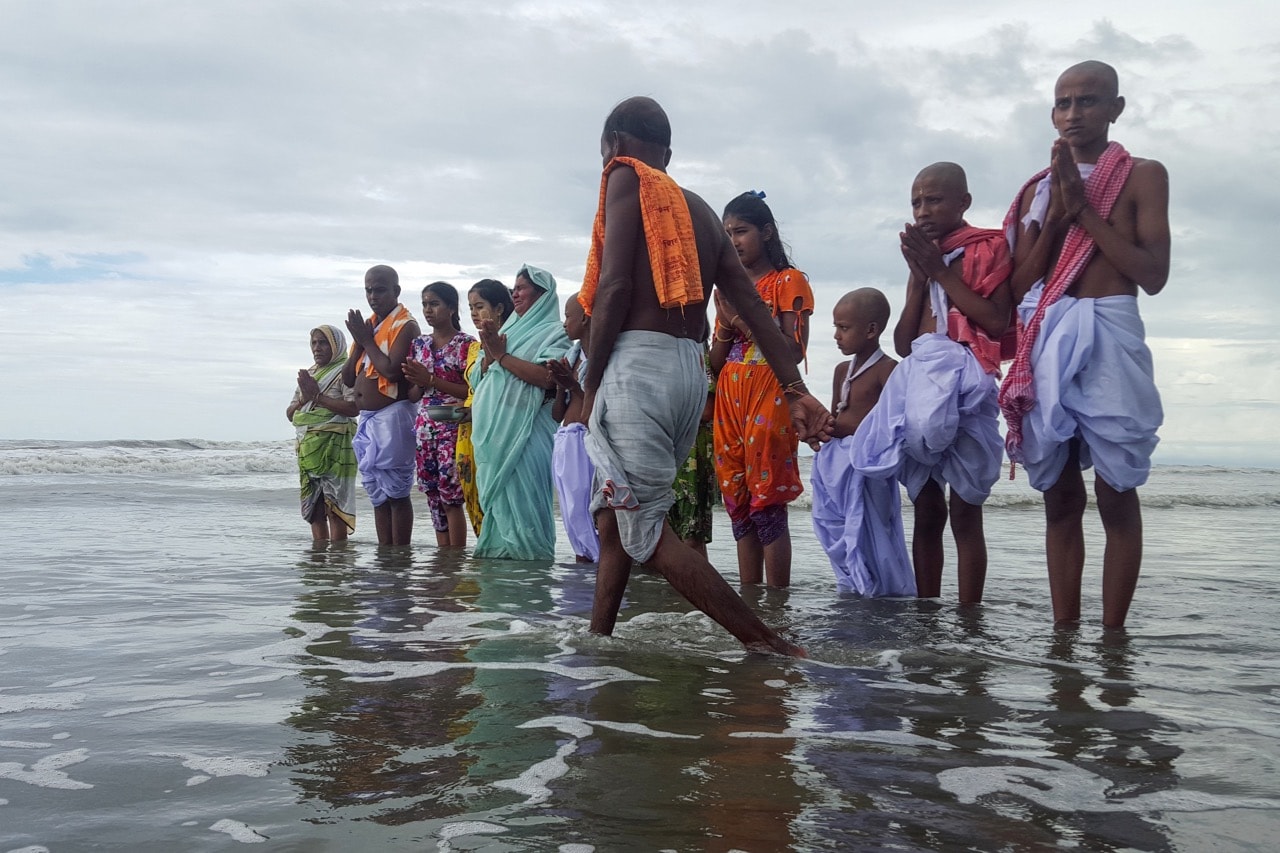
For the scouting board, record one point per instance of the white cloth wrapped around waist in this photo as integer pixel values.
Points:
(572, 473)
(643, 425)
(1093, 380)
(858, 520)
(937, 418)
(384, 444)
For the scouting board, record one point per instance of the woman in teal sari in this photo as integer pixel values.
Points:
(512, 429)
(322, 412)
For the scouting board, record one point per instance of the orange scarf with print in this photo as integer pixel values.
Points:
(385, 330)
(668, 232)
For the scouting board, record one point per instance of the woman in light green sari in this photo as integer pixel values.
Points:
(512, 429)
(322, 412)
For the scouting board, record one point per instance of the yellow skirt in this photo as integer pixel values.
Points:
(466, 460)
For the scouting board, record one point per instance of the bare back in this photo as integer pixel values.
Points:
(691, 320)
(627, 300)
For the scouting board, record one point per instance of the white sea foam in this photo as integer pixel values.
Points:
(154, 706)
(397, 670)
(577, 727)
(41, 702)
(883, 736)
(533, 782)
(465, 827)
(218, 765)
(1063, 787)
(238, 831)
(24, 744)
(47, 772)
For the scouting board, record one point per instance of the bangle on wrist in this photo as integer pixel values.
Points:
(501, 357)
(796, 389)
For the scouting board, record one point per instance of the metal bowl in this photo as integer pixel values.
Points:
(446, 413)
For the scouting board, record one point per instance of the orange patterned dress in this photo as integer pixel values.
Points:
(755, 445)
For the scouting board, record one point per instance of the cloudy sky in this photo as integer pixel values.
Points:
(189, 187)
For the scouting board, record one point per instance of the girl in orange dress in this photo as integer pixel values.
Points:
(755, 445)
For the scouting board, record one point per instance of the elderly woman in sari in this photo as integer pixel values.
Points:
(323, 411)
(513, 432)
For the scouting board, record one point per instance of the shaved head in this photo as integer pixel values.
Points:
(641, 118)
(951, 175)
(1098, 71)
(867, 304)
(384, 273)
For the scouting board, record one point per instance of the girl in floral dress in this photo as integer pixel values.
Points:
(435, 366)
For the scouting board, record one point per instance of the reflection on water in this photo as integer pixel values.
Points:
(465, 699)
(194, 678)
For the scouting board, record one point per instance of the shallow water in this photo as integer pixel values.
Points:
(180, 670)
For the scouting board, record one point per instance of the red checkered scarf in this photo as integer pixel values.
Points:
(1017, 394)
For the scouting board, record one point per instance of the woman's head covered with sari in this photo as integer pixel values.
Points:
(337, 342)
(512, 430)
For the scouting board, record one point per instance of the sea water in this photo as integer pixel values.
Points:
(181, 669)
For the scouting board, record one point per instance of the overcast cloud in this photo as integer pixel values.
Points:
(190, 187)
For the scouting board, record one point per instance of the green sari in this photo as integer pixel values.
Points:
(326, 462)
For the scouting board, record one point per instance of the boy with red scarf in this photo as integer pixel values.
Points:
(936, 423)
(1087, 232)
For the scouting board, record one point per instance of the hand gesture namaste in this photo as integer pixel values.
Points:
(359, 328)
(494, 343)
(922, 255)
(1066, 196)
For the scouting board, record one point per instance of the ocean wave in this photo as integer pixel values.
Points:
(175, 456)
(1170, 485)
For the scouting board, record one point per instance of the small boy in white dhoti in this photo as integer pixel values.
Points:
(936, 425)
(859, 520)
(571, 468)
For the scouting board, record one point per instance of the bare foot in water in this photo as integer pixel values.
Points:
(777, 646)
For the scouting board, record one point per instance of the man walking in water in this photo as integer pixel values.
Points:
(656, 251)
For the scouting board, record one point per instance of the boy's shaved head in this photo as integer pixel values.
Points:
(950, 174)
(1099, 71)
(867, 303)
(641, 118)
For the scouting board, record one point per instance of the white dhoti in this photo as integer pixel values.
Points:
(937, 419)
(385, 443)
(1093, 380)
(858, 520)
(643, 424)
(572, 472)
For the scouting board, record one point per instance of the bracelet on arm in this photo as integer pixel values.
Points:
(795, 389)
(719, 329)
(501, 357)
